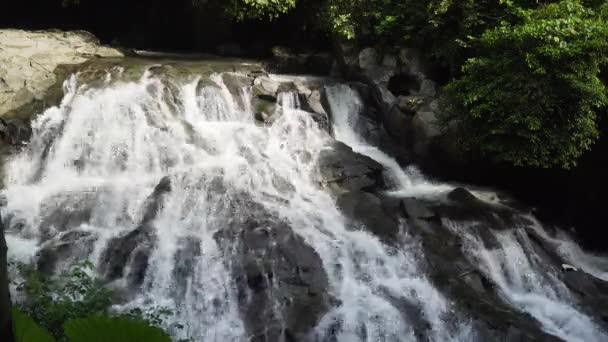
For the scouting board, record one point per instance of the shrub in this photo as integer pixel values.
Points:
(531, 97)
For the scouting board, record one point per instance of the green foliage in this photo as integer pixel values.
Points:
(91, 329)
(74, 294)
(113, 329)
(26, 330)
(255, 9)
(76, 300)
(531, 97)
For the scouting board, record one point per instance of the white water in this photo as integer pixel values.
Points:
(111, 146)
(347, 107)
(528, 282)
(107, 148)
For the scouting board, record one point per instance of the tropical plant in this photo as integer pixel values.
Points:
(532, 95)
(53, 301)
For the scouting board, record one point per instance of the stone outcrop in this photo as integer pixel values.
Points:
(28, 61)
(405, 98)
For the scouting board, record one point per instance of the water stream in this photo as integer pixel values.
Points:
(175, 166)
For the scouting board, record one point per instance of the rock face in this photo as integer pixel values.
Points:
(280, 279)
(343, 169)
(28, 59)
(405, 98)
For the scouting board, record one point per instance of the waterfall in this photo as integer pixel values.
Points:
(182, 200)
(347, 107)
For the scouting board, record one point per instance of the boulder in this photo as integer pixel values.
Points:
(366, 210)
(345, 170)
(69, 248)
(264, 109)
(415, 209)
(281, 283)
(132, 250)
(265, 87)
(314, 102)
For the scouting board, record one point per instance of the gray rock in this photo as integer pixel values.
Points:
(281, 282)
(235, 83)
(367, 210)
(413, 208)
(265, 86)
(368, 58)
(69, 248)
(345, 170)
(134, 248)
(315, 103)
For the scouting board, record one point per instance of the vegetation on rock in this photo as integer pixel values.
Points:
(75, 307)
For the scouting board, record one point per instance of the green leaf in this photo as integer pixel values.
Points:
(26, 330)
(113, 329)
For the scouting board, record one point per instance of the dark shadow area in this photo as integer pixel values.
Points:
(168, 25)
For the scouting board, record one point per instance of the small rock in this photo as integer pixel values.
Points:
(265, 86)
(368, 58)
(314, 102)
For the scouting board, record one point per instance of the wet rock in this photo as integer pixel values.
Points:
(266, 88)
(14, 132)
(315, 104)
(593, 294)
(188, 253)
(366, 209)
(134, 248)
(280, 279)
(464, 206)
(415, 209)
(469, 289)
(235, 83)
(71, 247)
(264, 109)
(287, 87)
(345, 170)
(65, 213)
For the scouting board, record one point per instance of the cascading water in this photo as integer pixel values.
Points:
(347, 107)
(182, 200)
